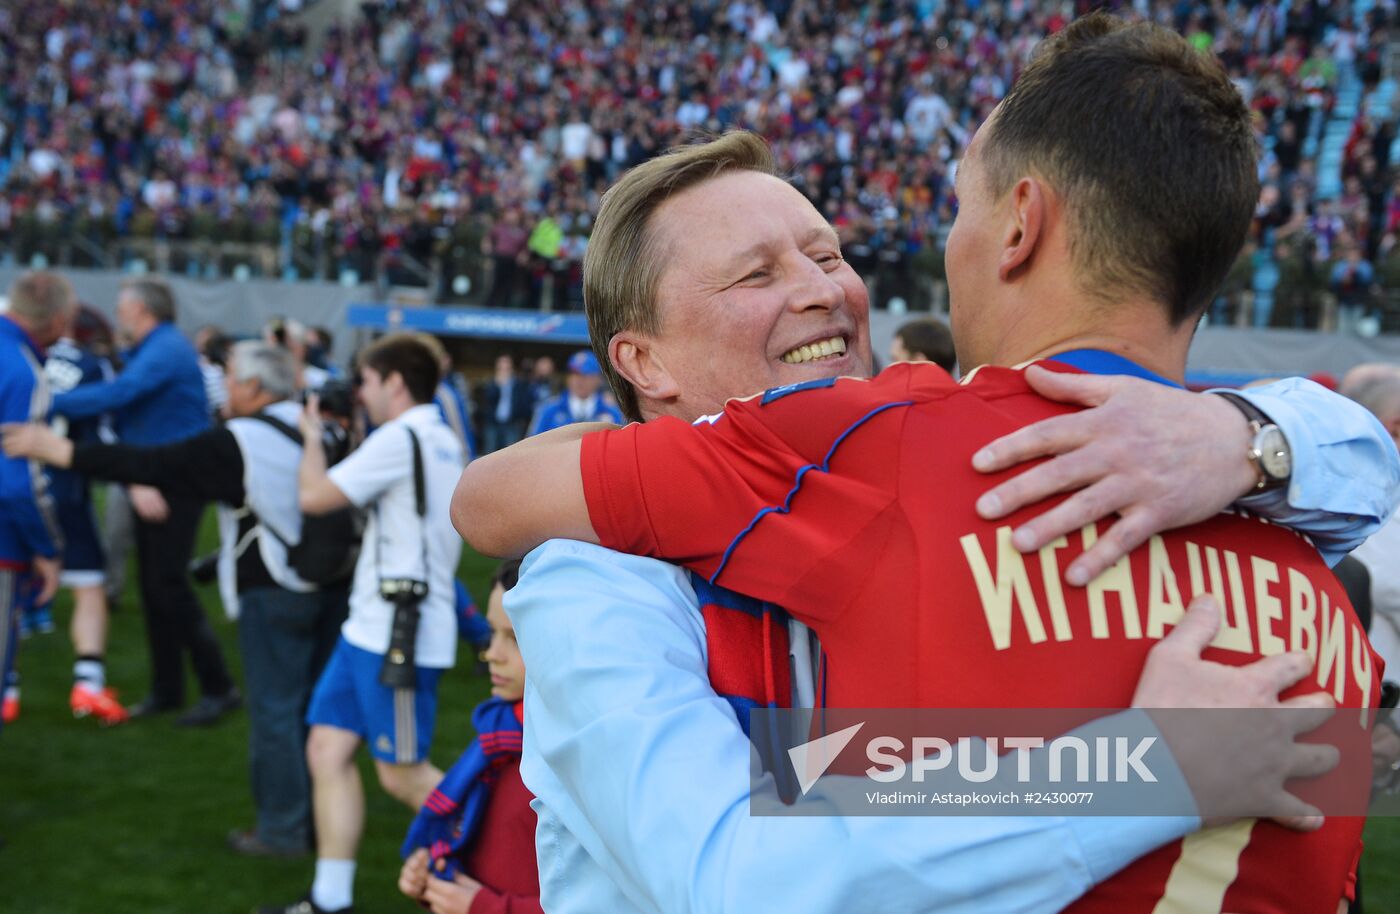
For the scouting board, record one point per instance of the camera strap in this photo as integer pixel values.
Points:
(294, 436)
(420, 505)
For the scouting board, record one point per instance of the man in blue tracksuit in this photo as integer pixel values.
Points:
(39, 308)
(582, 399)
(158, 399)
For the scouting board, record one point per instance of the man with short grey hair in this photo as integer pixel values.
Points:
(1377, 387)
(287, 626)
(154, 294)
(157, 399)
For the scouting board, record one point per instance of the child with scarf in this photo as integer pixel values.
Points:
(471, 850)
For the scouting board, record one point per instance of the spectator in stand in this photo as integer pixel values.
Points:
(352, 153)
(926, 340)
(1351, 282)
(472, 848)
(505, 245)
(547, 269)
(157, 399)
(582, 399)
(506, 406)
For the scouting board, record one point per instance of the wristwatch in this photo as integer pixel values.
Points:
(1268, 448)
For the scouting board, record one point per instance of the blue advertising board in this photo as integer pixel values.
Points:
(530, 326)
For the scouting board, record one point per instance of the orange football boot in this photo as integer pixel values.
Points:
(102, 705)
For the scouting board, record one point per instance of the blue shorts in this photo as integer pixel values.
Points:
(397, 724)
(84, 560)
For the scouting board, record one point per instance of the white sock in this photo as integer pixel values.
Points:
(90, 674)
(334, 887)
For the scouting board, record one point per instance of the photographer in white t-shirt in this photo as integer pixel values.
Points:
(380, 686)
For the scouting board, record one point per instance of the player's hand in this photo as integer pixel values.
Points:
(33, 441)
(1158, 457)
(1235, 761)
(455, 897)
(149, 504)
(48, 572)
(413, 877)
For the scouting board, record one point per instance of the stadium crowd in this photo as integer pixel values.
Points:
(428, 137)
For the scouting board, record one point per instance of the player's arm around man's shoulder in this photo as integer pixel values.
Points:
(666, 488)
(1162, 458)
(508, 502)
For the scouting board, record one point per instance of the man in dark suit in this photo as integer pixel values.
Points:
(506, 404)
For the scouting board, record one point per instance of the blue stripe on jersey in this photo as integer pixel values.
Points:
(825, 467)
(1096, 361)
(777, 393)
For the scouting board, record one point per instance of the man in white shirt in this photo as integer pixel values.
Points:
(403, 476)
(926, 114)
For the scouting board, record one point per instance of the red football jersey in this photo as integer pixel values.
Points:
(850, 504)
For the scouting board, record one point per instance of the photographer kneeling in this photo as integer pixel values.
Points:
(287, 625)
(380, 686)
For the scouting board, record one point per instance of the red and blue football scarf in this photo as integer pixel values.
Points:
(452, 812)
(747, 649)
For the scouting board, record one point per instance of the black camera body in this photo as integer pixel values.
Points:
(405, 595)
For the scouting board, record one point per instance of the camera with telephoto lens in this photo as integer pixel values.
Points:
(404, 594)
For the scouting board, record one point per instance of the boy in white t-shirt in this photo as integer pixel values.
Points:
(350, 705)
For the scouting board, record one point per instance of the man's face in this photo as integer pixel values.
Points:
(583, 386)
(240, 393)
(374, 396)
(754, 294)
(971, 258)
(131, 316)
(54, 329)
(898, 352)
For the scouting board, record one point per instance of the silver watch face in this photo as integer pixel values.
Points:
(1274, 457)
